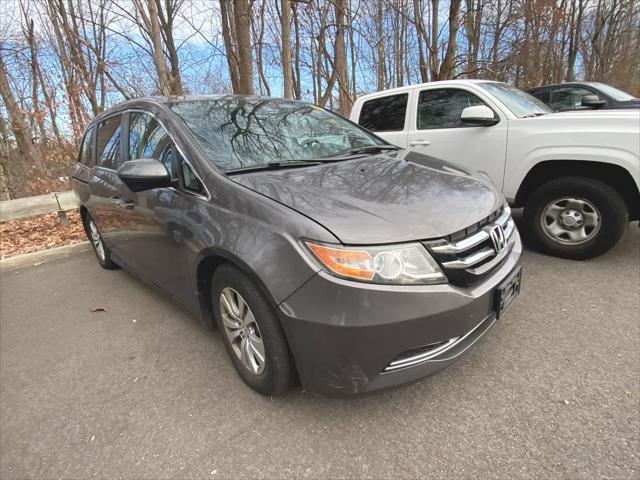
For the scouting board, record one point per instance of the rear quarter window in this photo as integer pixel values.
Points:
(86, 156)
(108, 144)
(385, 114)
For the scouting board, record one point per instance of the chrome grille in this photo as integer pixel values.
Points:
(467, 259)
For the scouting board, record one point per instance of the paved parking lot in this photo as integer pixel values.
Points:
(143, 391)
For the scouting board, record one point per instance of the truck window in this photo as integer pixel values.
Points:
(442, 107)
(568, 98)
(542, 95)
(384, 114)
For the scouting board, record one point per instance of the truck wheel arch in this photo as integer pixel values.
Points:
(618, 177)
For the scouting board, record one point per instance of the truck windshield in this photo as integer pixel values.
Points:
(616, 94)
(241, 132)
(519, 102)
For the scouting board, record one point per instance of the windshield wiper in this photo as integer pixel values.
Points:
(274, 166)
(357, 151)
(371, 149)
(536, 114)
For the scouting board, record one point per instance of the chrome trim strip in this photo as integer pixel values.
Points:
(471, 260)
(481, 255)
(475, 239)
(423, 357)
(506, 215)
(482, 269)
(465, 244)
(509, 229)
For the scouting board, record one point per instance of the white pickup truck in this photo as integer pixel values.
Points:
(577, 174)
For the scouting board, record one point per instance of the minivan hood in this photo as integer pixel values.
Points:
(389, 198)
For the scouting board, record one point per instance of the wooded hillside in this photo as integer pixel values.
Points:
(64, 61)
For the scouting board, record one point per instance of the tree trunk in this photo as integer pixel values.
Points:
(297, 81)
(340, 60)
(418, 12)
(229, 45)
(285, 51)
(447, 67)
(380, 83)
(242, 19)
(19, 125)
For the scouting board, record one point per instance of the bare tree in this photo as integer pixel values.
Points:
(19, 125)
(285, 25)
(236, 31)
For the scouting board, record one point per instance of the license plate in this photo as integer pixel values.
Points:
(507, 291)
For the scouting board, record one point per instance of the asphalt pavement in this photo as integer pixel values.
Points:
(142, 390)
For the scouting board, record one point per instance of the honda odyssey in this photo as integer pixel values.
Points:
(322, 253)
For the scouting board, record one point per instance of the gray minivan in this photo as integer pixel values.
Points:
(322, 253)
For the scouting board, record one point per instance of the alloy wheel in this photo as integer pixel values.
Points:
(242, 330)
(96, 239)
(571, 220)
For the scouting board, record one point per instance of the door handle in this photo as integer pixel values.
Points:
(122, 203)
(420, 143)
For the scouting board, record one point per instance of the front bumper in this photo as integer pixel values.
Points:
(345, 336)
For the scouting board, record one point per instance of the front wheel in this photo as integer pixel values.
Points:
(251, 332)
(575, 217)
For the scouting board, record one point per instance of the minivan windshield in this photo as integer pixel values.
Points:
(241, 132)
(520, 103)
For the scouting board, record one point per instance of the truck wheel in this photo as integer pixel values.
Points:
(575, 217)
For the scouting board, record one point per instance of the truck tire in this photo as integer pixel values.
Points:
(575, 217)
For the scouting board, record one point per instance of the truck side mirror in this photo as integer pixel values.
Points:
(592, 101)
(480, 115)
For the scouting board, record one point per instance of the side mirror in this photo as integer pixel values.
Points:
(592, 101)
(144, 174)
(480, 115)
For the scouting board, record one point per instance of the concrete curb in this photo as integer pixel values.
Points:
(43, 256)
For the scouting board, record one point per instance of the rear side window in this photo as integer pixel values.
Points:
(86, 151)
(108, 148)
(442, 108)
(384, 114)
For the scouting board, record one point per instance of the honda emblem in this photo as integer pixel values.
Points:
(498, 239)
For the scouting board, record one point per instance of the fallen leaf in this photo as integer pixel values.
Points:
(99, 309)
(37, 233)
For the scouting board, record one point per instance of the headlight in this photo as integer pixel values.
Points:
(392, 264)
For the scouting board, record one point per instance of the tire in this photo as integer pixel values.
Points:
(551, 213)
(103, 254)
(276, 374)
